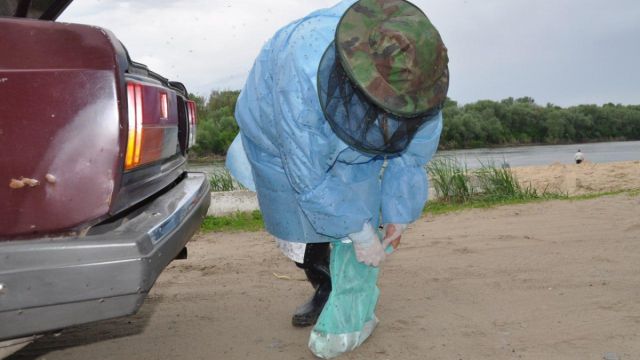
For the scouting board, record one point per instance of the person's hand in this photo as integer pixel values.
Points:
(367, 246)
(393, 234)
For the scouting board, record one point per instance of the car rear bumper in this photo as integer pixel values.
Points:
(49, 284)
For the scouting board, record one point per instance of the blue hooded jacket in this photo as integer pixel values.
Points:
(312, 187)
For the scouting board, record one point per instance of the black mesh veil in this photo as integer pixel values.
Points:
(355, 119)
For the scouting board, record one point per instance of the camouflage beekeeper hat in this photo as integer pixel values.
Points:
(393, 53)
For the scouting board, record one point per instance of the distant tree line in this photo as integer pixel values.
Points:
(480, 124)
(522, 121)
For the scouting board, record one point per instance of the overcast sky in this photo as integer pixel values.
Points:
(565, 52)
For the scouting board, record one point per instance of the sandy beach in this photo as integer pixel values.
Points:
(549, 280)
(581, 179)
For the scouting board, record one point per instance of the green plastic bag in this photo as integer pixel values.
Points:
(348, 317)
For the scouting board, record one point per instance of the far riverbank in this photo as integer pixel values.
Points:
(517, 156)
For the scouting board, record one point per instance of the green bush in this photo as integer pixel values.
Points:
(217, 125)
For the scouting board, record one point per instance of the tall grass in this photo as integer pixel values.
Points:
(222, 180)
(451, 180)
(454, 183)
(501, 183)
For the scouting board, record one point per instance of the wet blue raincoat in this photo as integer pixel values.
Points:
(311, 186)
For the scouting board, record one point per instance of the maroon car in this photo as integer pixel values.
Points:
(95, 197)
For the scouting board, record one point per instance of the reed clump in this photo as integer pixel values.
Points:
(454, 183)
(221, 180)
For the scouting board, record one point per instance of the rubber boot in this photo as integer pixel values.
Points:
(316, 267)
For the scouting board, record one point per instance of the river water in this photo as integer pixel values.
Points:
(517, 156)
(548, 154)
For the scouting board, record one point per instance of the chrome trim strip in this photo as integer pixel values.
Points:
(193, 188)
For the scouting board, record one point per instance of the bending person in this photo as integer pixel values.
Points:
(330, 99)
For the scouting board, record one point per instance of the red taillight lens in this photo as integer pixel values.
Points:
(146, 140)
(134, 140)
(192, 115)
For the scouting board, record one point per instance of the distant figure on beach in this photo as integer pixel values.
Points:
(579, 157)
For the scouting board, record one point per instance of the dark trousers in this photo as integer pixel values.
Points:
(316, 264)
(315, 254)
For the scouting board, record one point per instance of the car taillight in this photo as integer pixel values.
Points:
(164, 105)
(152, 125)
(193, 120)
(134, 141)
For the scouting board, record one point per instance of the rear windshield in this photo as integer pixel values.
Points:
(34, 9)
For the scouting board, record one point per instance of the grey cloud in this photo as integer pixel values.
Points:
(564, 52)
